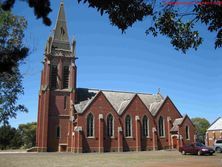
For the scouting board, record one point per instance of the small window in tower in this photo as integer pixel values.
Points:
(62, 30)
(65, 77)
(58, 132)
(64, 102)
(53, 77)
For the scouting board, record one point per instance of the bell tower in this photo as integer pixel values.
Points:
(57, 90)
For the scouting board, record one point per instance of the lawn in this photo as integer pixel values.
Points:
(131, 159)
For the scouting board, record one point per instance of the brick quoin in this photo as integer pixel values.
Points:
(63, 109)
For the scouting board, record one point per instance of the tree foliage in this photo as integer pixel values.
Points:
(173, 18)
(202, 125)
(28, 133)
(10, 89)
(12, 50)
(10, 138)
(22, 137)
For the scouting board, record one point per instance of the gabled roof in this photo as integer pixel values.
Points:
(84, 98)
(216, 125)
(119, 100)
(179, 121)
(152, 102)
(176, 123)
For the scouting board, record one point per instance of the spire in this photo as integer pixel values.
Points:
(60, 38)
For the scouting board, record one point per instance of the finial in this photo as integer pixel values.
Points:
(158, 91)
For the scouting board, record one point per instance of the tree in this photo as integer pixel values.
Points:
(11, 53)
(168, 17)
(28, 133)
(201, 125)
(12, 50)
(9, 138)
(12, 138)
(10, 89)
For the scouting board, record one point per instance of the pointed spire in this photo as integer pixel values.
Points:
(61, 38)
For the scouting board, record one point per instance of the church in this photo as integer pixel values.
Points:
(72, 119)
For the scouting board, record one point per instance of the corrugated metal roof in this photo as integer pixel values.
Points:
(217, 125)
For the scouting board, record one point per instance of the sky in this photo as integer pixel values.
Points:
(133, 61)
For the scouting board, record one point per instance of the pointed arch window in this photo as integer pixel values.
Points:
(145, 126)
(110, 125)
(161, 127)
(128, 126)
(90, 125)
(187, 132)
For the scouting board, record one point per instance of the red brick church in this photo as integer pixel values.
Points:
(93, 120)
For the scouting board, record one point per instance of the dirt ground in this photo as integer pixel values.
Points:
(131, 159)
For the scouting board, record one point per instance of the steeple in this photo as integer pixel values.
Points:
(60, 36)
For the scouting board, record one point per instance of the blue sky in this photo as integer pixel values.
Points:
(132, 61)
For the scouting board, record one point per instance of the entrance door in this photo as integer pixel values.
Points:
(174, 141)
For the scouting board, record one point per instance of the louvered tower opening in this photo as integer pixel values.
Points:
(65, 77)
(53, 77)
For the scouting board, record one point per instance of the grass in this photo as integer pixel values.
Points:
(12, 150)
(131, 159)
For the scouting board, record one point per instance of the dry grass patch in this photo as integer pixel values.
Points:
(125, 159)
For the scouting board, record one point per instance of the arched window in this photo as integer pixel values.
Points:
(58, 132)
(187, 133)
(128, 126)
(110, 125)
(90, 125)
(145, 127)
(161, 127)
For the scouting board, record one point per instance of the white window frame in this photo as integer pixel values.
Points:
(131, 127)
(187, 133)
(148, 126)
(93, 135)
(164, 134)
(112, 125)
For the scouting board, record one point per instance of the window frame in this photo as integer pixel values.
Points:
(64, 77)
(93, 126)
(161, 134)
(147, 127)
(107, 125)
(219, 141)
(130, 129)
(53, 77)
(187, 132)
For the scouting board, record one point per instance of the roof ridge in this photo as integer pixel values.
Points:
(214, 122)
(119, 91)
